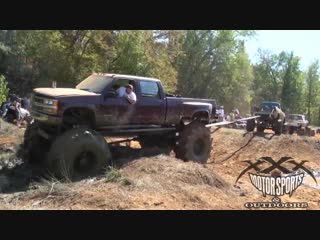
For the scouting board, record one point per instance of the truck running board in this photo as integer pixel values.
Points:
(141, 130)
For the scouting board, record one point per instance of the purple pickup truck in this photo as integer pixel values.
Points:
(93, 110)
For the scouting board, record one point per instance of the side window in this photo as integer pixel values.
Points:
(122, 83)
(149, 89)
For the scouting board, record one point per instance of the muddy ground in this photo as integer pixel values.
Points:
(149, 179)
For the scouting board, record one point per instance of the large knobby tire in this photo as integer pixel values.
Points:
(34, 147)
(78, 153)
(194, 143)
(251, 124)
(260, 128)
(291, 130)
(278, 128)
(301, 131)
(312, 133)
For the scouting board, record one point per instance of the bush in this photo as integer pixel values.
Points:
(3, 89)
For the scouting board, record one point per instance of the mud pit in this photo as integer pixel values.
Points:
(148, 179)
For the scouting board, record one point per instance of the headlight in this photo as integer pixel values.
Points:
(45, 105)
(51, 107)
(50, 102)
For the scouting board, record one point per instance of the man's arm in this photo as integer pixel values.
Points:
(131, 101)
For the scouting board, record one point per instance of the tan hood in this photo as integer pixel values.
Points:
(60, 92)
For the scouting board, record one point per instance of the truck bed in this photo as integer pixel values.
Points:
(178, 107)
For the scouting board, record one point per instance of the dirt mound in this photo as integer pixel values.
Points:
(232, 145)
(161, 182)
(147, 179)
(169, 172)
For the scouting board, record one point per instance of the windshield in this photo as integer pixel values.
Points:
(295, 117)
(94, 83)
(269, 106)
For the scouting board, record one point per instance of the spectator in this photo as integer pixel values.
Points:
(17, 106)
(26, 102)
(4, 108)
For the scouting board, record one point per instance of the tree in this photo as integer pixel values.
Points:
(292, 87)
(267, 81)
(279, 78)
(312, 87)
(213, 64)
(140, 53)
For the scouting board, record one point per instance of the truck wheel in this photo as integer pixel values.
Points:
(194, 143)
(301, 131)
(251, 124)
(34, 147)
(260, 128)
(291, 130)
(78, 153)
(278, 128)
(308, 131)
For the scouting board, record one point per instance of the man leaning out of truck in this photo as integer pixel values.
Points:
(130, 95)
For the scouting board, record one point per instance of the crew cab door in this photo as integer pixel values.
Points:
(116, 110)
(151, 105)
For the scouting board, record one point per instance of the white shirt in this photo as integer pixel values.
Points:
(222, 112)
(121, 91)
(132, 96)
(24, 112)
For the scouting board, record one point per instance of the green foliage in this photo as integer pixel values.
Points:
(3, 89)
(138, 53)
(214, 65)
(312, 92)
(193, 63)
(292, 87)
(279, 78)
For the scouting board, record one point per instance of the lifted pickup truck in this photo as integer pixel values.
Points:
(70, 124)
(268, 118)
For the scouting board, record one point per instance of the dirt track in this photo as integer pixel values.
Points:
(147, 179)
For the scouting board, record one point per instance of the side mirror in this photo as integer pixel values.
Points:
(110, 94)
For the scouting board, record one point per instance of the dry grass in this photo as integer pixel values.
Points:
(158, 183)
(164, 182)
(10, 133)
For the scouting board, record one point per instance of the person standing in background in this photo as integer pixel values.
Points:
(25, 103)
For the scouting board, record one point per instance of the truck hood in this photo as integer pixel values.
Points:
(62, 92)
(263, 113)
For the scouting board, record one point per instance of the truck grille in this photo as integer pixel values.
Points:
(37, 102)
(37, 108)
(38, 99)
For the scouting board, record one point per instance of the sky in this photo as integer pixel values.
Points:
(304, 43)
